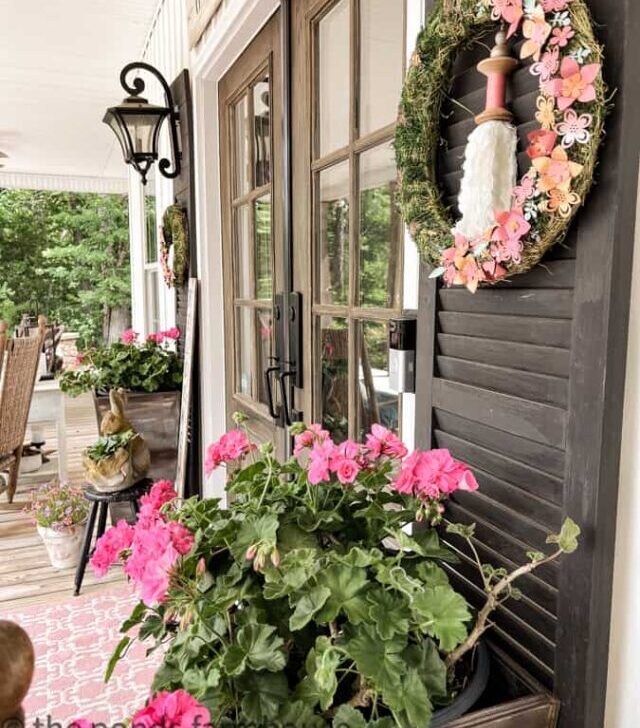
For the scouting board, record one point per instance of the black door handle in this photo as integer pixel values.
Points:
(289, 416)
(273, 411)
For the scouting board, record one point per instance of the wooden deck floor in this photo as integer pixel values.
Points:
(26, 576)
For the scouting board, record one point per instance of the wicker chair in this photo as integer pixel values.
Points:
(3, 342)
(17, 381)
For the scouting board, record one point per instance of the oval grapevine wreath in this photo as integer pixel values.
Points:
(174, 231)
(571, 107)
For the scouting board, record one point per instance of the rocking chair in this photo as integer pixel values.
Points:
(17, 380)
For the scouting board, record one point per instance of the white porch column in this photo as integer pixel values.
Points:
(137, 233)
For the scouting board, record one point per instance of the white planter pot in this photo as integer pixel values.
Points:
(63, 547)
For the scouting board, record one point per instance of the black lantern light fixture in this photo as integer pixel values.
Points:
(137, 123)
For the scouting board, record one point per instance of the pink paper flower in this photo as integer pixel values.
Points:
(541, 143)
(508, 10)
(456, 253)
(524, 191)
(470, 274)
(382, 442)
(536, 30)
(81, 723)
(574, 128)
(129, 336)
(560, 37)
(554, 6)
(547, 65)
(511, 225)
(555, 170)
(575, 83)
(172, 710)
(233, 445)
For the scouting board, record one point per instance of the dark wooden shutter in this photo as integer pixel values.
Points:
(184, 192)
(524, 381)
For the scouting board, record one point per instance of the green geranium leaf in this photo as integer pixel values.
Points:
(255, 530)
(307, 606)
(567, 539)
(425, 658)
(256, 647)
(264, 693)
(360, 558)
(442, 613)
(343, 583)
(327, 660)
(299, 714)
(461, 529)
(431, 574)
(390, 574)
(414, 700)
(348, 717)
(388, 612)
(379, 661)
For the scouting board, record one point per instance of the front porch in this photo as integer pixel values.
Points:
(26, 575)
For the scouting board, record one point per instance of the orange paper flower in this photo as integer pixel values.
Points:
(561, 201)
(556, 171)
(536, 30)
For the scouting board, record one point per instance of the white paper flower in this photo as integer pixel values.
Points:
(574, 129)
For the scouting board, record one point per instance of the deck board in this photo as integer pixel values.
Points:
(26, 576)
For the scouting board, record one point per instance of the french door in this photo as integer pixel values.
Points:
(251, 140)
(313, 263)
(347, 65)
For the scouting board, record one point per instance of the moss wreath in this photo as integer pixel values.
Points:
(571, 109)
(174, 232)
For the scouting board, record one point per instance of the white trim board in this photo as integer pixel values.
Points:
(235, 28)
(63, 183)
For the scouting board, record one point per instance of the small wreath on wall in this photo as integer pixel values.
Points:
(174, 232)
(571, 107)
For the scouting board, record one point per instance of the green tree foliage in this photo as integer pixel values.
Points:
(69, 254)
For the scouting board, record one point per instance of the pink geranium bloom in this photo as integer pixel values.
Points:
(233, 445)
(346, 469)
(433, 474)
(383, 442)
(129, 336)
(162, 491)
(173, 333)
(576, 83)
(181, 537)
(320, 459)
(109, 547)
(157, 338)
(172, 710)
(81, 723)
(305, 439)
(541, 143)
(560, 37)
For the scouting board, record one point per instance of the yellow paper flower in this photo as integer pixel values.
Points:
(545, 116)
(560, 201)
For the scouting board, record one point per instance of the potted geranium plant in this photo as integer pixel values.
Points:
(305, 602)
(150, 372)
(59, 511)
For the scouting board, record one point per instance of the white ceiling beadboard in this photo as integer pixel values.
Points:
(60, 62)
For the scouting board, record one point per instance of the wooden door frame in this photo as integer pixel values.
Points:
(262, 53)
(605, 244)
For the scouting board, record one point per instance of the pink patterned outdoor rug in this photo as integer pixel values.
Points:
(73, 641)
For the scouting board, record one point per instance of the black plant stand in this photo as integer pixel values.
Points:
(100, 503)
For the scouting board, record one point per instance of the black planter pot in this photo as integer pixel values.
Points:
(465, 701)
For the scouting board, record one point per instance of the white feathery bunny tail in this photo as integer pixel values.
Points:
(490, 170)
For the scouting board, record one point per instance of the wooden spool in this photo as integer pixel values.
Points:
(497, 68)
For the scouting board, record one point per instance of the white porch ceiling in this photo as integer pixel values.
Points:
(60, 62)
